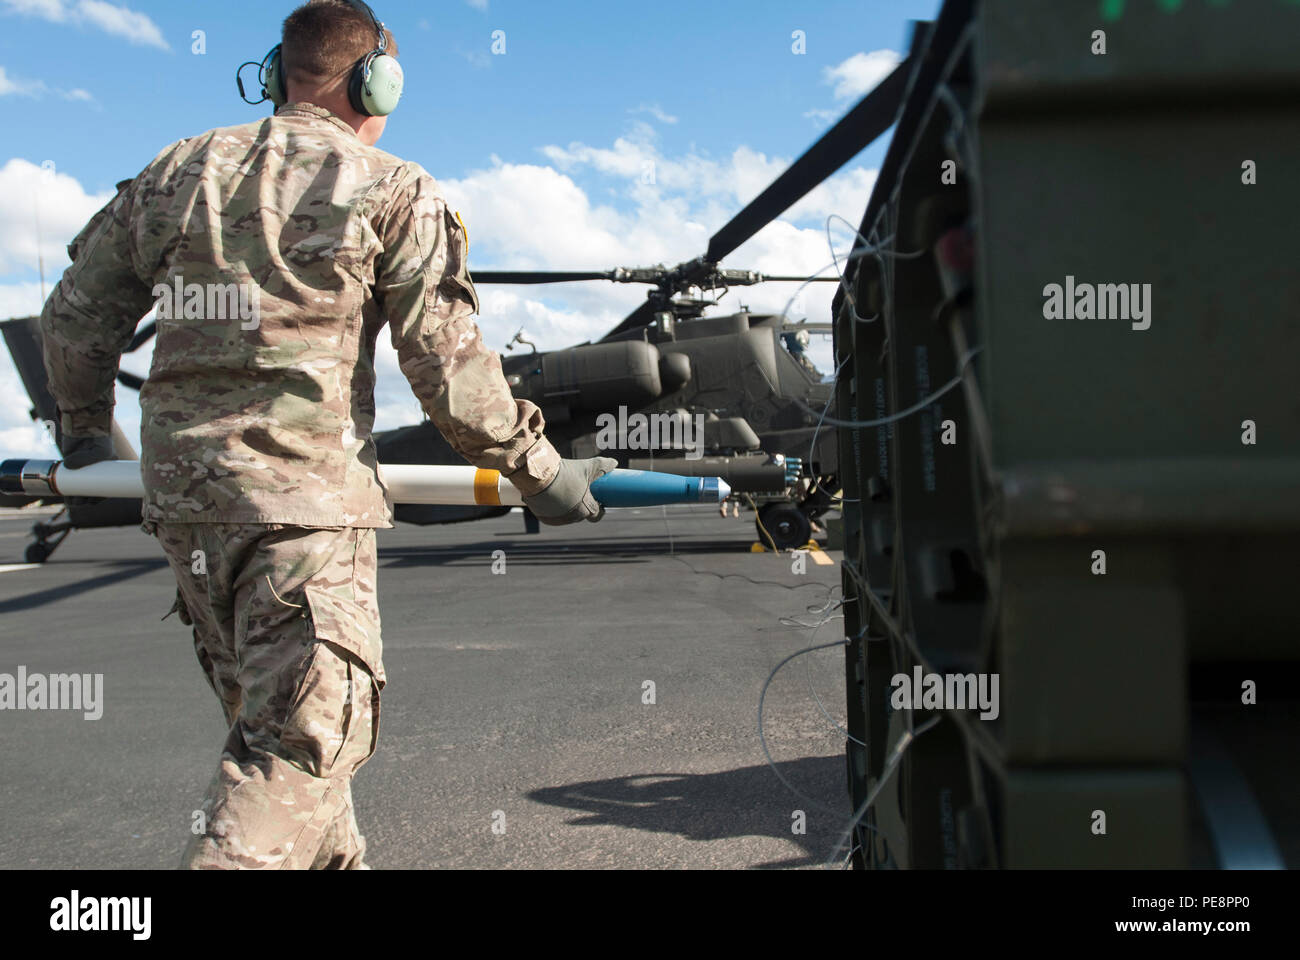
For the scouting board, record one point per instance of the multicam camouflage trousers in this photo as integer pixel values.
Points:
(286, 627)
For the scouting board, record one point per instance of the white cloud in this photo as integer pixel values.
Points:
(533, 217)
(122, 22)
(852, 78)
(655, 111)
(823, 117)
(10, 86)
(713, 189)
(524, 216)
(25, 441)
(49, 9)
(22, 299)
(478, 4)
(119, 21)
(28, 190)
(861, 72)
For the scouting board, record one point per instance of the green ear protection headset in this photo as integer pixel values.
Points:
(374, 86)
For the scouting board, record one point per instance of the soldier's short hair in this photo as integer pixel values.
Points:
(322, 39)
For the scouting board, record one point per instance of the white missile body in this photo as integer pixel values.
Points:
(406, 483)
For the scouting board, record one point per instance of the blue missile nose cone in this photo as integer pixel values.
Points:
(645, 488)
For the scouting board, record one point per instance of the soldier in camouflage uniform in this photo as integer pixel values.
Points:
(277, 251)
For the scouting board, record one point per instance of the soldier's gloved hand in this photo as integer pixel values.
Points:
(568, 499)
(81, 452)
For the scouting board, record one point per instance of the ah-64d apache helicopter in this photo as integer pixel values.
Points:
(671, 389)
(743, 378)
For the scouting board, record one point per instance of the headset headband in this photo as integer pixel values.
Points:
(363, 7)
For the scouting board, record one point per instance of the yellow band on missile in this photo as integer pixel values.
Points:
(485, 488)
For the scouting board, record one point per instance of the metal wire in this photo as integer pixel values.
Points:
(762, 737)
(902, 414)
(895, 757)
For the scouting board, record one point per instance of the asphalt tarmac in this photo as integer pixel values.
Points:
(514, 731)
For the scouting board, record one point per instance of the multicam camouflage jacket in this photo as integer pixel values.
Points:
(274, 253)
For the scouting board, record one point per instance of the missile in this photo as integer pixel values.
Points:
(406, 483)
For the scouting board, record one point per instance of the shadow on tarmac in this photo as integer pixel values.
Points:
(714, 806)
(129, 569)
(604, 551)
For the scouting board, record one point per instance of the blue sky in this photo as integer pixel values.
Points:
(541, 148)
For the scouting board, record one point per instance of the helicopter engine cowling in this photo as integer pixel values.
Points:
(599, 377)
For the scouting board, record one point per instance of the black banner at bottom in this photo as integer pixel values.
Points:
(125, 909)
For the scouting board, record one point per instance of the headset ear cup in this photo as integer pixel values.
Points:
(385, 86)
(355, 81)
(275, 88)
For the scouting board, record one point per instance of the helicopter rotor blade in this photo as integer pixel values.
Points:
(639, 317)
(142, 337)
(539, 276)
(873, 115)
(644, 314)
(769, 279)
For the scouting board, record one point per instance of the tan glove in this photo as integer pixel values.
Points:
(568, 498)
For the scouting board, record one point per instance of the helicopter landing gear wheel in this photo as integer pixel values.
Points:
(782, 525)
(46, 537)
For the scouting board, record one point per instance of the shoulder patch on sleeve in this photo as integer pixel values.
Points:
(466, 230)
(457, 256)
